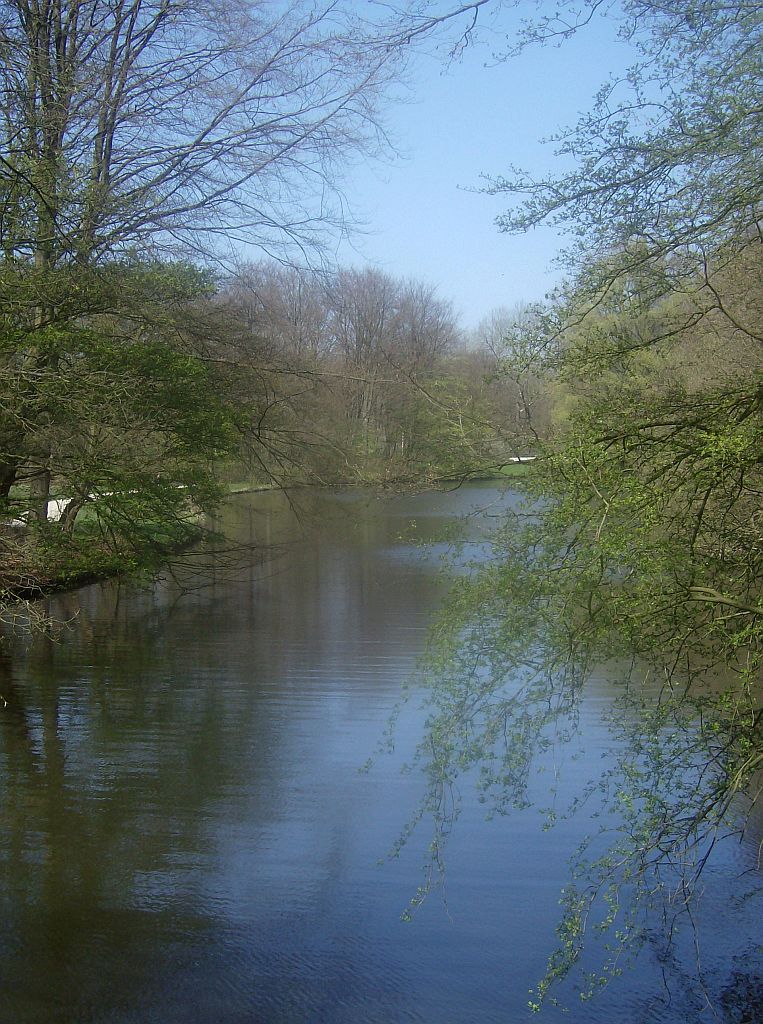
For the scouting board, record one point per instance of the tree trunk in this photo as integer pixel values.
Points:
(39, 495)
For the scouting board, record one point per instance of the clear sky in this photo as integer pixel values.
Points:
(423, 219)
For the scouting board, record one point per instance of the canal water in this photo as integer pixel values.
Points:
(186, 836)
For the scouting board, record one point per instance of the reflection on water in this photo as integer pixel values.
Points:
(185, 837)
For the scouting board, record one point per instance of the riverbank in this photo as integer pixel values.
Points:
(514, 468)
(40, 568)
(29, 580)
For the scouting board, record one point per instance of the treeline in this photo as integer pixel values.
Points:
(134, 393)
(371, 379)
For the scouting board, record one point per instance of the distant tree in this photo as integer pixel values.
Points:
(426, 327)
(368, 378)
(389, 338)
(363, 315)
(518, 343)
(285, 309)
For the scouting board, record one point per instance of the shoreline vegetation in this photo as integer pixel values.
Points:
(517, 466)
(157, 552)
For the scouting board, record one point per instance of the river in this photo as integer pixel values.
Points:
(186, 837)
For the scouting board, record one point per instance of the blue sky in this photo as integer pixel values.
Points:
(420, 215)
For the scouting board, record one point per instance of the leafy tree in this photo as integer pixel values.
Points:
(642, 538)
(647, 547)
(124, 408)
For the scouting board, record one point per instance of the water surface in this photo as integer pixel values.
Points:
(185, 835)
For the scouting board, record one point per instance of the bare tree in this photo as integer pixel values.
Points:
(283, 307)
(426, 327)
(358, 350)
(517, 343)
(363, 305)
(166, 122)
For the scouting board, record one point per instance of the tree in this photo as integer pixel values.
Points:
(285, 309)
(125, 411)
(136, 136)
(642, 539)
(516, 340)
(162, 128)
(393, 340)
(664, 165)
(357, 352)
(176, 123)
